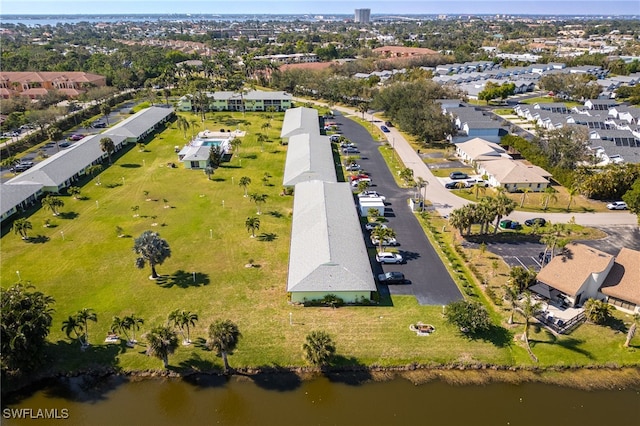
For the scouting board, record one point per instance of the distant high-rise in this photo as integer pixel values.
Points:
(362, 16)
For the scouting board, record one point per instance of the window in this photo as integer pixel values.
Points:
(621, 303)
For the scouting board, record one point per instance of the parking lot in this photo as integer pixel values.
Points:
(431, 283)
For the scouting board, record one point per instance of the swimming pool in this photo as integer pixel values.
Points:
(211, 143)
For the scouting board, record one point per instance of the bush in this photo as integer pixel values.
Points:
(471, 317)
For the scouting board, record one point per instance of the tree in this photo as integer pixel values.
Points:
(319, 348)
(597, 311)
(151, 249)
(83, 317)
(632, 198)
(72, 325)
(244, 182)
(571, 191)
(521, 278)
(258, 199)
(133, 323)
(529, 307)
(55, 134)
(26, 320)
(253, 225)
(74, 191)
(216, 154)
(161, 342)
(10, 161)
(107, 145)
(632, 329)
(223, 337)
(363, 108)
(209, 170)
(525, 191)
(183, 319)
(511, 293)
(471, 317)
(503, 206)
(92, 170)
(363, 185)
(22, 226)
(52, 203)
(235, 144)
(135, 210)
(406, 175)
(382, 234)
(183, 124)
(105, 109)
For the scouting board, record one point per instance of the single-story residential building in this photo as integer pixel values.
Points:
(328, 255)
(514, 175)
(301, 120)
(578, 273)
(18, 197)
(622, 285)
(478, 149)
(137, 127)
(309, 157)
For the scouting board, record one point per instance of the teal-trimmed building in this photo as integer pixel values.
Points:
(254, 100)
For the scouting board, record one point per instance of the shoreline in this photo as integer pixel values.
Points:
(586, 378)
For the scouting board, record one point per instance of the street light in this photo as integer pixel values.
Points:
(19, 277)
(194, 277)
(211, 233)
(290, 318)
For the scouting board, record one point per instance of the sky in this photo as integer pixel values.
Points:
(317, 7)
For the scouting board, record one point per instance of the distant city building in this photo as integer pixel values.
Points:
(362, 16)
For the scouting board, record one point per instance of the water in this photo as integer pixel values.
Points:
(285, 401)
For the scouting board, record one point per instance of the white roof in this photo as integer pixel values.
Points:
(309, 157)
(300, 120)
(327, 247)
(140, 123)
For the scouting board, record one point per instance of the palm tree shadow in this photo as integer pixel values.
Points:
(196, 363)
(498, 336)
(276, 378)
(203, 380)
(275, 214)
(356, 374)
(569, 343)
(184, 279)
(38, 239)
(270, 236)
(68, 215)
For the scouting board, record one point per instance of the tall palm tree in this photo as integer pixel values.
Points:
(549, 194)
(525, 191)
(151, 249)
(161, 342)
(511, 294)
(382, 235)
(119, 325)
(258, 199)
(253, 225)
(74, 191)
(85, 315)
(93, 169)
(107, 145)
(183, 124)
(244, 182)
(22, 226)
(182, 320)
(503, 207)
(133, 323)
(223, 337)
(363, 108)
(632, 330)
(572, 192)
(235, 144)
(55, 134)
(105, 109)
(52, 203)
(72, 325)
(319, 348)
(529, 307)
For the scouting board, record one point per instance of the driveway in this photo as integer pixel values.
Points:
(431, 283)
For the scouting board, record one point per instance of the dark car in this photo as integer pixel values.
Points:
(458, 175)
(509, 224)
(454, 185)
(392, 278)
(535, 221)
(64, 144)
(385, 129)
(99, 125)
(388, 124)
(350, 150)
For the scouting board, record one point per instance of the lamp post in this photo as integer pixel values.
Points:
(194, 277)
(123, 180)
(97, 204)
(20, 278)
(211, 233)
(62, 233)
(290, 318)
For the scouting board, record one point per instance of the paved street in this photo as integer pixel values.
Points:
(431, 283)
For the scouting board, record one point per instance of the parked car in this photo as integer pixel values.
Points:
(99, 125)
(458, 175)
(388, 124)
(386, 242)
(454, 185)
(350, 150)
(546, 257)
(392, 278)
(370, 226)
(64, 144)
(385, 129)
(354, 183)
(359, 176)
(388, 257)
(617, 205)
(334, 138)
(75, 137)
(20, 168)
(371, 194)
(536, 220)
(473, 182)
(509, 224)
(354, 167)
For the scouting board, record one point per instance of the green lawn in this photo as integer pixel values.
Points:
(82, 263)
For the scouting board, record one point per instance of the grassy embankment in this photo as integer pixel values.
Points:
(92, 267)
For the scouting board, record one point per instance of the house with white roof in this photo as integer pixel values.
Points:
(299, 121)
(514, 175)
(309, 157)
(328, 255)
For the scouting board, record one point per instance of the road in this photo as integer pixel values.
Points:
(431, 283)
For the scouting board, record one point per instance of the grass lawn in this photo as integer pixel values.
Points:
(82, 263)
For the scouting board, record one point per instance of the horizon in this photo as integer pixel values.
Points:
(314, 7)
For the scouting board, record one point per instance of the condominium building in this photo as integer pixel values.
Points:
(362, 16)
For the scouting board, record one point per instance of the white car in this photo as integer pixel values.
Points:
(386, 242)
(617, 205)
(353, 167)
(355, 182)
(371, 194)
(388, 257)
(373, 225)
(472, 182)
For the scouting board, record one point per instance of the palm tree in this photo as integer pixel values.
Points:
(135, 210)
(529, 307)
(597, 311)
(52, 203)
(183, 124)
(253, 225)
(93, 169)
(21, 226)
(119, 325)
(632, 329)
(72, 325)
(133, 323)
(209, 170)
(363, 185)
(258, 199)
(503, 206)
(382, 234)
(363, 108)
(235, 144)
(83, 316)
(319, 348)
(10, 161)
(549, 194)
(105, 109)
(161, 342)
(107, 145)
(55, 134)
(572, 193)
(245, 181)
(511, 294)
(525, 191)
(74, 191)
(182, 319)
(223, 337)
(151, 249)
